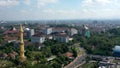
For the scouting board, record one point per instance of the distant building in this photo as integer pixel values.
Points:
(62, 37)
(2, 27)
(85, 31)
(80, 32)
(10, 39)
(12, 55)
(98, 29)
(26, 29)
(87, 34)
(116, 51)
(72, 31)
(4, 55)
(49, 36)
(12, 30)
(69, 31)
(59, 29)
(38, 38)
(39, 45)
(47, 31)
(29, 32)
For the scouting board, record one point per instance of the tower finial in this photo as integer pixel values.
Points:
(22, 56)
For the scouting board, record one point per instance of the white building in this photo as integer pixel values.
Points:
(72, 31)
(47, 31)
(37, 39)
(29, 32)
(49, 36)
(59, 29)
(62, 38)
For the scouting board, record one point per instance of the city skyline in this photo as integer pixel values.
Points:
(59, 9)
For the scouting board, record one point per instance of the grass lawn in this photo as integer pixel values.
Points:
(5, 63)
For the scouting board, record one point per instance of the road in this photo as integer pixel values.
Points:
(99, 56)
(79, 59)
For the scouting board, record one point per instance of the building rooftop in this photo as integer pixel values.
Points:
(116, 48)
(62, 34)
(38, 35)
(10, 38)
(68, 54)
(11, 32)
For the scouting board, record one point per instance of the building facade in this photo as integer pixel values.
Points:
(72, 31)
(47, 31)
(61, 38)
(29, 33)
(37, 39)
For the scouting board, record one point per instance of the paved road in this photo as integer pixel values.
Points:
(76, 62)
(99, 56)
(79, 59)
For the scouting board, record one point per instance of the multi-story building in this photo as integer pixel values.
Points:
(59, 29)
(37, 38)
(49, 37)
(62, 37)
(47, 31)
(30, 33)
(72, 31)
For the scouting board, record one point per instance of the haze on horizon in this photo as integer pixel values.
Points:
(59, 9)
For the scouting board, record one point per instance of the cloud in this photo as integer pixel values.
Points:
(61, 14)
(99, 4)
(24, 11)
(100, 8)
(60, 11)
(27, 2)
(8, 3)
(41, 3)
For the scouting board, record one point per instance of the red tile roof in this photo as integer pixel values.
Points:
(68, 54)
(38, 35)
(60, 29)
(10, 38)
(4, 55)
(11, 32)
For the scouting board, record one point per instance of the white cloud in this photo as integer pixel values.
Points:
(27, 2)
(66, 12)
(41, 3)
(7, 3)
(100, 4)
(61, 14)
(23, 11)
(100, 8)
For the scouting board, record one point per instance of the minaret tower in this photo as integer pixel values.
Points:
(22, 56)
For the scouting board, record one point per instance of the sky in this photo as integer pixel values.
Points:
(59, 9)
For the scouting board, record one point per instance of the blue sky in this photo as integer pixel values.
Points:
(59, 9)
